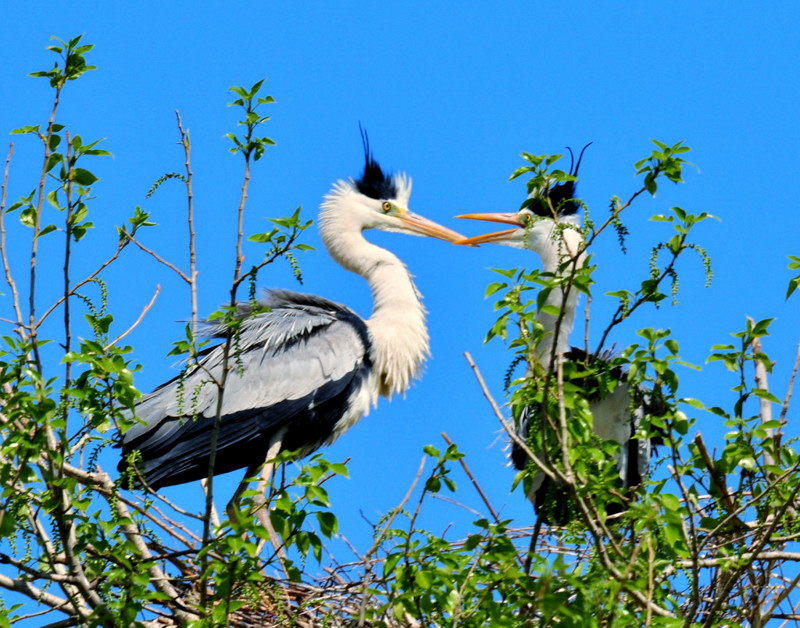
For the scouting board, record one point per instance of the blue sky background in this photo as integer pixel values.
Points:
(450, 94)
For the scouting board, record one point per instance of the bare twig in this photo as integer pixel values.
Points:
(226, 353)
(765, 405)
(137, 321)
(190, 210)
(716, 478)
(6, 266)
(549, 471)
(25, 587)
(789, 388)
(474, 482)
(159, 259)
(67, 254)
(37, 224)
(120, 246)
(131, 531)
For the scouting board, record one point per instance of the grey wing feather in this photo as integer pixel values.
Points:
(303, 352)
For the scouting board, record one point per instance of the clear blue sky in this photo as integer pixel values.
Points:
(451, 96)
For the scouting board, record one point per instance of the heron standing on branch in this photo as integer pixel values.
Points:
(549, 225)
(311, 368)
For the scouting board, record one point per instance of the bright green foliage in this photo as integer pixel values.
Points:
(249, 144)
(73, 62)
(794, 264)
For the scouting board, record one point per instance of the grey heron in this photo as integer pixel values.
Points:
(548, 224)
(309, 368)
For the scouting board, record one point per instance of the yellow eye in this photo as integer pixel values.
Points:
(525, 216)
(387, 207)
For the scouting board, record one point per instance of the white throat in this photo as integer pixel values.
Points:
(555, 249)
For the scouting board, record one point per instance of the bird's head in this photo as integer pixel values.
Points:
(529, 230)
(535, 223)
(376, 201)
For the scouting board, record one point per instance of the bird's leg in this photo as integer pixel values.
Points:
(233, 505)
(260, 501)
(266, 468)
(214, 514)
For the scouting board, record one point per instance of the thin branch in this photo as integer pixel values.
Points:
(479, 490)
(120, 246)
(67, 255)
(788, 398)
(765, 405)
(226, 352)
(6, 266)
(131, 531)
(137, 321)
(160, 259)
(722, 596)
(50, 556)
(586, 326)
(549, 471)
(716, 478)
(37, 221)
(40, 596)
(787, 591)
(190, 210)
(474, 482)
(624, 313)
(611, 218)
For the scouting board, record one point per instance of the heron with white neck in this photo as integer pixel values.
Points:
(549, 225)
(310, 368)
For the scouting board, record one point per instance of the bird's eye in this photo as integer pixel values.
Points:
(525, 216)
(387, 207)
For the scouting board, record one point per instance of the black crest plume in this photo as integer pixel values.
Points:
(373, 182)
(561, 192)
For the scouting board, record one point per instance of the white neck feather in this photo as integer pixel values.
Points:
(553, 253)
(397, 325)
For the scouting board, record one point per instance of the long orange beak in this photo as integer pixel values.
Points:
(496, 236)
(424, 226)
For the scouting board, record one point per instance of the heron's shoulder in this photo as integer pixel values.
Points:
(277, 299)
(282, 317)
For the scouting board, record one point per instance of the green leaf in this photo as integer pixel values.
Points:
(695, 403)
(52, 198)
(46, 230)
(7, 524)
(83, 177)
(431, 451)
(328, 523)
(389, 563)
(765, 394)
(28, 216)
(552, 310)
(423, 579)
(25, 129)
(672, 346)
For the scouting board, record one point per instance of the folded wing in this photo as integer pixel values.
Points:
(297, 372)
